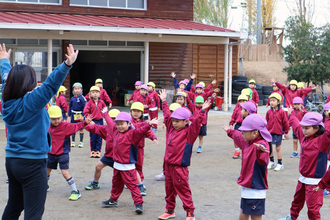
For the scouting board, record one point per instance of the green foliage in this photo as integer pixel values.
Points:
(308, 52)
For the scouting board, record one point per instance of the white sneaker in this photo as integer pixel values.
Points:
(271, 165)
(160, 177)
(279, 167)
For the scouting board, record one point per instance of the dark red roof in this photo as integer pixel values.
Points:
(106, 21)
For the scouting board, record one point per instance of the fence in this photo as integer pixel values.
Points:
(261, 52)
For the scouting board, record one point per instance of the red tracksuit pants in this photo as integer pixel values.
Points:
(153, 114)
(314, 201)
(127, 177)
(177, 183)
(139, 163)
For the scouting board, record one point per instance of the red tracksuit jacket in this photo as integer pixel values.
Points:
(58, 135)
(255, 96)
(103, 96)
(179, 143)
(95, 110)
(193, 95)
(236, 117)
(254, 161)
(290, 94)
(150, 134)
(313, 152)
(279, 92)
(155, 101)
(62, 103)
(276, 120)
(145, 100)
(299, 115)
(208, 88)
(195, 110)
(135, 92)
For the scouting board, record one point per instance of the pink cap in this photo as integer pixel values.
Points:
(123, 116)
(138, 83)
(182, 82)
(250, 107)
(312, 118)
(298, 100)
(199, 85)
(274, 84)
(144, 87)
(326, 107)
(256, 122)
(186, 81)
(181, 113)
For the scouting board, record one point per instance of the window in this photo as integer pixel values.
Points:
(56, 2)
(125, 4)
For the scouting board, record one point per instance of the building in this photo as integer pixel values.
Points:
(120, 41)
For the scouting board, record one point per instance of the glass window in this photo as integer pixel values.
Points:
(98, 43)
(78, 42)
(98, 2)
(49, 1)
(27, 41)
(78, 2)
(134, 43)
(117, 3)
(117, 43)
(129, 4)
(8, 41)
(135, 3)
(34, 1)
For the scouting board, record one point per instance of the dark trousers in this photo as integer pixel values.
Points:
(27, 188)
(96, 140)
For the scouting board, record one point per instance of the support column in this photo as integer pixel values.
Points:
(146, 62)
(49, 56)
(230, 75)
(225, 89)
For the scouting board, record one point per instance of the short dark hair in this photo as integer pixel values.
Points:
(21, 79)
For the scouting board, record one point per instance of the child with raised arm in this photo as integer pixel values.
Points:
(253, 141)
(137, 85)
(179, 143)
(103, 94)
(184, 84)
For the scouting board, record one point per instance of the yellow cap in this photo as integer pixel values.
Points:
(113, 113)
(95, 88)
(245, 92)
(203, 84)
(54, 112)
(151, 84)
(174, 106)
(242, 97)
(276, 96)
(61, 89)
(300, 85)
(98, 80)
(294, 82)
(252, 81)
(137, 106)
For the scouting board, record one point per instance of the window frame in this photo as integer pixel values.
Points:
(111, 7)
(35, 3)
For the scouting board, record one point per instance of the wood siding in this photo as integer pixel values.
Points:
(171, 9)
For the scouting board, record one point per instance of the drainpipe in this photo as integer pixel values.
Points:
(225, 89)
(49, 56)
(231, 71)
(146, 62)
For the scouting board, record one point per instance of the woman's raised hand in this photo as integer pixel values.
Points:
(3, 53)
(71, 55)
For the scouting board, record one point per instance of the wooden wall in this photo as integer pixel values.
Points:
(262, 52)
(171, 9)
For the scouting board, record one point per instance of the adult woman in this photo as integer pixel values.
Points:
(28, 140)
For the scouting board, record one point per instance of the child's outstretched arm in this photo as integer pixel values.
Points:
(209, 87)
(141, 131)
(236, 136)
(175, 80)
(188, 86)
(5, 66)
(87, 97)
(98, 129)
(262, 153)
(71, 128)
(151, 135)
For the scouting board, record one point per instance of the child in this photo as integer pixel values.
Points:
(208, 88)
(248, 108)
(125, 156)
(237, 119)
(299, 112)
(137, 120)
(107, 159)
(184, 84)
(253, 142)
(145, 99)
(62, 103)
(76, 108)
(155, 103)
(276, 120)
(138, 85)
(315, 143)
(94, 108)
(60, 135)
(275, 89)
(103, 94)
(199, 92)
(255, 96)
(179, 143)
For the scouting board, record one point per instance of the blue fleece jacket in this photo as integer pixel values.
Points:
(27, 119)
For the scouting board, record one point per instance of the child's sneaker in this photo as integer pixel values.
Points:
(48, 187)
(237, 154)
(109, 203)
(75, 195)
(167, 215)
(271, 165)
(92, 154)
(73, 144)
(142, 190)
(7, 181)
(279, 167)
(138, 208)
(288, 217)
(199, 149)
(97, 154)
(190, 216)
(326, 193)
(160, 177)
(92, 186)
(294, 154)
(81, 145)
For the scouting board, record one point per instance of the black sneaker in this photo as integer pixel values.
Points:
(142, 190)
(138, 208)
(110, 203)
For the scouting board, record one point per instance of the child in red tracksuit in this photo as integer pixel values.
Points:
(275, 89)
(138, 85)
(94, 108)
(137, 121)
(60, 133)
(155, 103)
(125, 152)
(208, 88)
(199, 92)
(237, 119)
(62, 102)
(277, 119)
(145, 99)
(255, 95)
(107, 159)
(315, 141)
(179, 143)
(299, 112)
(103, 94)
(255, 151)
